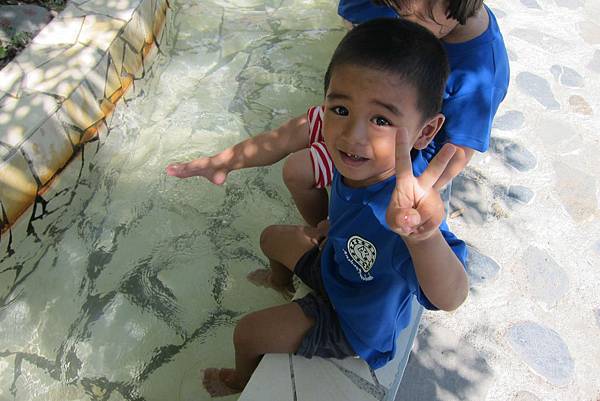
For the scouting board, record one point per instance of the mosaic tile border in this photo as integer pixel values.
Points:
(56, 95)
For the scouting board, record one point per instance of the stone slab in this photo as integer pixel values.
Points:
(543, 350)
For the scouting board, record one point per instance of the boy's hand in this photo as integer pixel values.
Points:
(416, 210)
(206, 167)
(319, 233)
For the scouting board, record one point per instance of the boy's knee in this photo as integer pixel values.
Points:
(266, 238)
(289, 172)
(297, 171)
(242, 334)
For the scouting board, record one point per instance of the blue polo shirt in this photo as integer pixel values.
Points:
(366, 268)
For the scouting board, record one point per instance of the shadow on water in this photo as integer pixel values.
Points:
(75, 240)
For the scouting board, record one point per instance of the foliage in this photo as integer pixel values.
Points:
(56, 5)
(9, 50)
(20, 40)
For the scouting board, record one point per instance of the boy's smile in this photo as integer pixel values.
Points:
(363, 109)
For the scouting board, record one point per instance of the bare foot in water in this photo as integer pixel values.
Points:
(263, 278)
(221, 382)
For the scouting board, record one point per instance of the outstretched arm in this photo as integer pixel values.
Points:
(441, 275)
(261, 150)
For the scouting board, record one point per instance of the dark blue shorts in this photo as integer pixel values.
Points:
(326, 338)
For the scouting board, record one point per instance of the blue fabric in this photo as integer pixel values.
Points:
(476, 86)
(478, 81)
(359, 11)
(373, 304)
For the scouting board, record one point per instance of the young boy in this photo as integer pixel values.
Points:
(383, 92)
(477, 84)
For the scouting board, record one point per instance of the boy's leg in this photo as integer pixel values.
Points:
(299, 177)
(284, 245)
(279, 329)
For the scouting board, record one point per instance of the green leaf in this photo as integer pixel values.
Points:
(21, 39)
(2, 52)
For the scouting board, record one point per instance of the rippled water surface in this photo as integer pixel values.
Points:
(124, 283)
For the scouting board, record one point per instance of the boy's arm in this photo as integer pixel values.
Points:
(459, 161)
(440, 273)
(261, 150)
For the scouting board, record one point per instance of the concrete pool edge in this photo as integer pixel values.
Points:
(56, 95)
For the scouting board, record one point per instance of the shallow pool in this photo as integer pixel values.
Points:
(123, 283)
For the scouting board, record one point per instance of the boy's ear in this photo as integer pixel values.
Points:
(430, 128)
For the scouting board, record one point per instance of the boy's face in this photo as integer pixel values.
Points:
(363, 109)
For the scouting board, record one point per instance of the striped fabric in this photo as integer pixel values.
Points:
(315, 122)
(319, 155)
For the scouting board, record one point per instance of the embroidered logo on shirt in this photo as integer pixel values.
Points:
(363, 253)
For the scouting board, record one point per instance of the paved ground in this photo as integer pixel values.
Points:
(530, 205)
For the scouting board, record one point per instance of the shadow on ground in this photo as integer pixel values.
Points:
(444, 367)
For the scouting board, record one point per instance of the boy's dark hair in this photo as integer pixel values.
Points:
(402, 48)
(460, 10)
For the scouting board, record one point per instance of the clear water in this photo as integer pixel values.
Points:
(129, 282)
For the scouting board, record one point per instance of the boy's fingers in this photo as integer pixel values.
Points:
(403, 161)
(404, 220)
(437, 166)
(175, 170)
(427, 226)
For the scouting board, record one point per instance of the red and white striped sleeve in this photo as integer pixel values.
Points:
(322, 163)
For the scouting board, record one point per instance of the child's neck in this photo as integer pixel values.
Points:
(475, 26)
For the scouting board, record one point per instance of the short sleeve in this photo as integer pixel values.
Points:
(469, 119)
(315, 124)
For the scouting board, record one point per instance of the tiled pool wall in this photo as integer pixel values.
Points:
(56, 96)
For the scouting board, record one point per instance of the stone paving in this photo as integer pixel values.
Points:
(529, 208)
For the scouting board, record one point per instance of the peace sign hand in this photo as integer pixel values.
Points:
(416, 210)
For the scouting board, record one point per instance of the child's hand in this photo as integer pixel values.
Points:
(416, 210)
(323, 228)
(206, 167)
(317, 234)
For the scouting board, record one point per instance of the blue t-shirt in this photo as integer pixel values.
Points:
(359, 11)
(478, 81)
(366, 268)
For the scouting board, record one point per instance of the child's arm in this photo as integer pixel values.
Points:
(441, 275)
(261, 150)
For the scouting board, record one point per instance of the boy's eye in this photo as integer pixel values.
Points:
(340, 110)
(381, 121)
